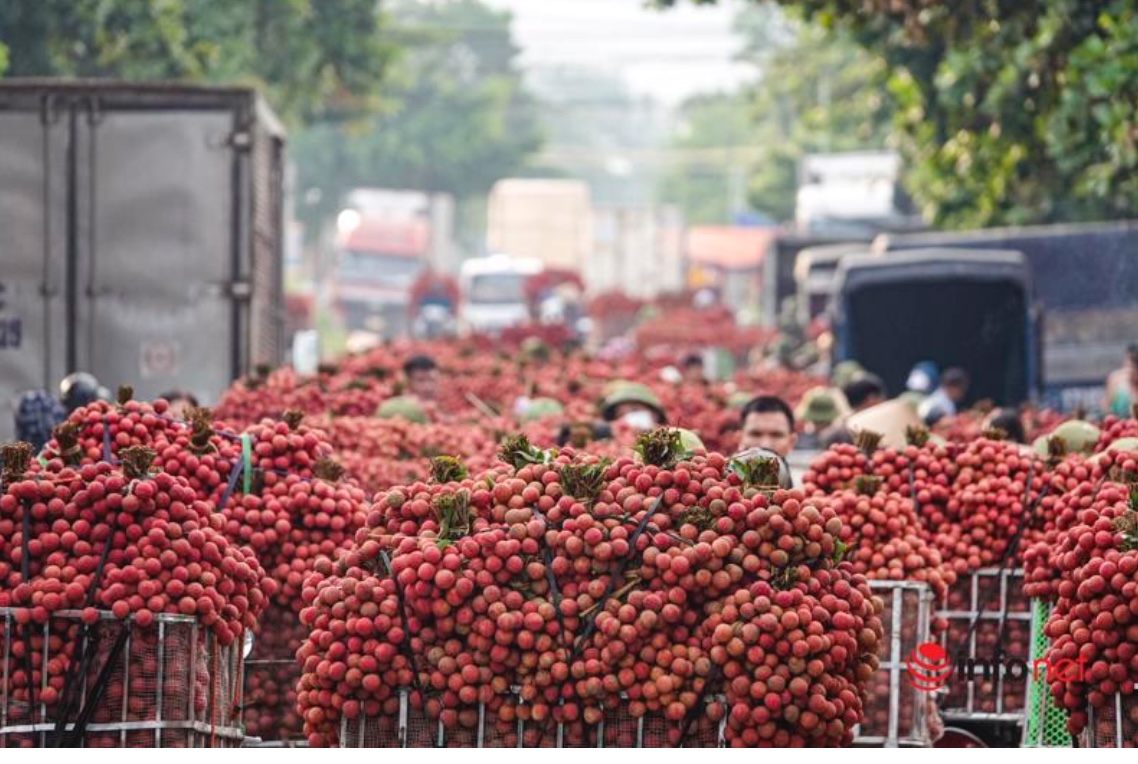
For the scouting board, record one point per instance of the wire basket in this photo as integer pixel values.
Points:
(895, 711)
(1115, 726)
(166, 685)
(271, 676)
(988, 640)
(481, 727)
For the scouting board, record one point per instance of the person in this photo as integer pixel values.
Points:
(845, 372)
(634, 404)
(80, 389)
(181, 403)
(1009, 421)
(945, 399)
(422, 375)
(38, 412)
(580, 434)
(692, 369)
(922, 378)
(1122, 385)
(864, 391)
(818, 411)
(767, 422)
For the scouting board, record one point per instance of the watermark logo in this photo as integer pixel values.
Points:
(929, 667)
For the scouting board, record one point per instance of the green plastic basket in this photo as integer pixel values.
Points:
(1046, 725)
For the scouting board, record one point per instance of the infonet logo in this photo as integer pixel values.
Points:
(930, 669)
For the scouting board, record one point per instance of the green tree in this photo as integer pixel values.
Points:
(311, 56)
(1009, 111)
(456, 116)
(818, 91)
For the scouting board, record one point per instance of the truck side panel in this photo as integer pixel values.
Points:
(158, 312)
(32, 330)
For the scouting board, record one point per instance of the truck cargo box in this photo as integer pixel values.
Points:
(142, 235)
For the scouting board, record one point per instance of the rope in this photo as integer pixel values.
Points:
(697, 708)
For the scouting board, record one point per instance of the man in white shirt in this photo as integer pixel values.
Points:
(944, 400)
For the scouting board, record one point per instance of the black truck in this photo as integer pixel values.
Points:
(1086, 280)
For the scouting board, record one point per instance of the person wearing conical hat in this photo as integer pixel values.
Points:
(402, 407)
(540, 408)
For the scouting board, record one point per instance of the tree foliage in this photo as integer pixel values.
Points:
(455, 117)
(312, 56)
(817, 91)
(1009, 111)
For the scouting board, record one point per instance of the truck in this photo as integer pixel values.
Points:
(1086, 277)
(385, 239)
(638, 250)
(492, 294)
(973, 309)
(814, 270)
(850, 193)
(779, 262)
(142, 236)
(546, 219)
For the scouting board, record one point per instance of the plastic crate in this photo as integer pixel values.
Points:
(989, 623)
(895, 711)
(412, 728)
(169, 686)
(1045, 725)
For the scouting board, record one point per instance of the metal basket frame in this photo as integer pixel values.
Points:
(1090, 737)
(918, 736)
(358, 740)
(1005, 576)
(200, 731)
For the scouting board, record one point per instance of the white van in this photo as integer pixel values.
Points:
(492, 292)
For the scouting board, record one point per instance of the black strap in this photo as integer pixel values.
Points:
(77, 669)
(1009, 553)
(616, 574)
(231, 484)
(405, 643)
(696, 710)
(554, 592)
(107, 455)
(74, 738)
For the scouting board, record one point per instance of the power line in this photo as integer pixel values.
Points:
(592, 31)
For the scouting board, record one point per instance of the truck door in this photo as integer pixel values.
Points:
(159, 241)
(33, 155)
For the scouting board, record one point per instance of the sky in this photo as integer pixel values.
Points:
(667, 55)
